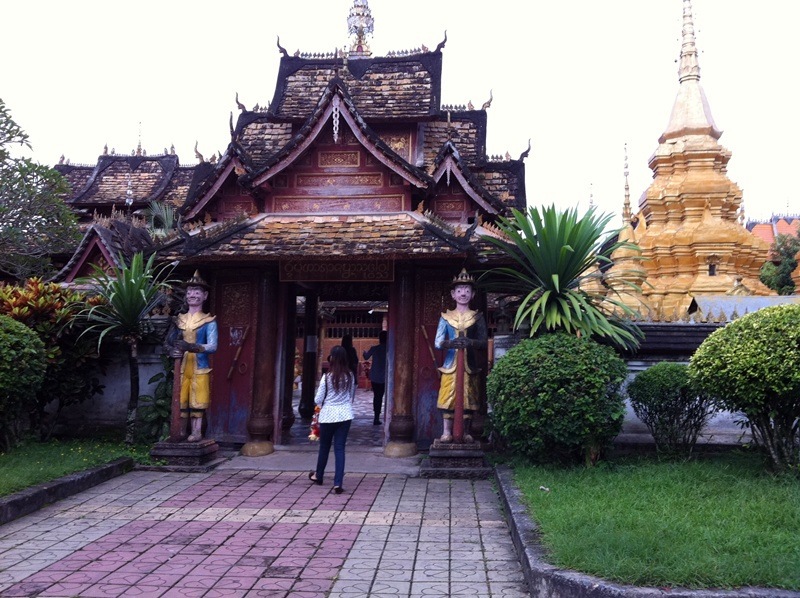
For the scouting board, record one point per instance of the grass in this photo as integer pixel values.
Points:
(719, 522)
(33, 462)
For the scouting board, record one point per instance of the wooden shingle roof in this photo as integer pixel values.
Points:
(413, 84)
(148, 178)
(329, 236)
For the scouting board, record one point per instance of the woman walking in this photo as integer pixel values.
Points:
(335, 395)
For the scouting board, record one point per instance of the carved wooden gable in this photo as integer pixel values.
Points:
(339, 176)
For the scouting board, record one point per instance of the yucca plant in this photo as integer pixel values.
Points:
(125, 297)
(559, 259)
(160, 218)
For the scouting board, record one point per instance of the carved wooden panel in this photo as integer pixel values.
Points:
(435, 300)
(237, 303)
(350, 271)
(400, 143)
(340, 180)
(349, 158)
(381, 203)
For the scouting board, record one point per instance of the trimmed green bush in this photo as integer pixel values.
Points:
(557, 398)
(675, 413)
(22, 368)
(752, 366)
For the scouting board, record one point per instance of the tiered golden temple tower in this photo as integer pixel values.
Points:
(688, 227)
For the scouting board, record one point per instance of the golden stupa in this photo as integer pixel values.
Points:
(689, 226)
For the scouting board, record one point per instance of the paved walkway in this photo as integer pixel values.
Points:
(254, 531)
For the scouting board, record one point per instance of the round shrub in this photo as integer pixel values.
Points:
(22, 368)
(752, 366)
(557, 398)
(665, 400)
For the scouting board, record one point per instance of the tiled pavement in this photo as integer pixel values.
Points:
(264, 533)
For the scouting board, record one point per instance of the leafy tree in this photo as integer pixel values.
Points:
(559, 262)
(779, 277)
(35, 223)
(22, 365)
(557, 398)
(73, 364)
(752, 366)
(127, 297)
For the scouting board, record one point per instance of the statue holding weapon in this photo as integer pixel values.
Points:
(461, 332)
(192, 338)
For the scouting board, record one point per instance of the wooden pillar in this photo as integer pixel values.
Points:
(401, 314)
(261, 422)
(290, 311)
(310, 349)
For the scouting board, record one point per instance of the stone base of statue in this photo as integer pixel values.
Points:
(200, 455)
(455, 460)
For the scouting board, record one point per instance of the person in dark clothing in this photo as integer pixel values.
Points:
(352, 356)
(377, 375)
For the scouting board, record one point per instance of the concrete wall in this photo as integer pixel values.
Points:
(108, 411)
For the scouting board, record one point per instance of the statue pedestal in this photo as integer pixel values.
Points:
(455, 460)
(186, 454)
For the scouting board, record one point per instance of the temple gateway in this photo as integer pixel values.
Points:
(354, 185)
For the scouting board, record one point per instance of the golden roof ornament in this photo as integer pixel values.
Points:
(463, 277)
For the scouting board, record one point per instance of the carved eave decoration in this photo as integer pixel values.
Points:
(449, 163)
(210, 187)
(336, 105)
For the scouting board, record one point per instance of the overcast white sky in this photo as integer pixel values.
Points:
(579, 78)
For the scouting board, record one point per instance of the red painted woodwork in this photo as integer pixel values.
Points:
(232, 374)
(342, 176)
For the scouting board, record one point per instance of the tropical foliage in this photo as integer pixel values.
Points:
(752, 366)
(35, 223)
(73, 364)
(557, 397)
(559, 259)
(22, 366)
(127, 295)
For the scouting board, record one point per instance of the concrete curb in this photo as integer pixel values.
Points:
(34, 498)
(547, 581)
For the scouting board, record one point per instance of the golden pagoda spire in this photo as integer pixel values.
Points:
(626, 206)
(691, 114)
(360, 24)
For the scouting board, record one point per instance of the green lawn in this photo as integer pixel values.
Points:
(34, 463)
(719, 522)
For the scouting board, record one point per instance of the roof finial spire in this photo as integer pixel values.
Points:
(691, 114)
(360, 23)
(689, 67)
(139, 145)
(626, 206)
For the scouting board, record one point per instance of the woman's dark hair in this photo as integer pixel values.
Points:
(347, 340)
(340, 371)
(382, 337)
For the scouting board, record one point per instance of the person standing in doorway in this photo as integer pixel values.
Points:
(352, 356)
(377, 375)
(335, 395)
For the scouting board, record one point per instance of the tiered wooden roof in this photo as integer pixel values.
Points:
(354, 156)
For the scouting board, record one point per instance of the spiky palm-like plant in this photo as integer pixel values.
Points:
(559, 259)
(123, 300)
